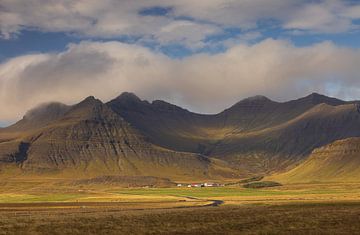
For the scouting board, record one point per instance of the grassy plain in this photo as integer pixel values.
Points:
(309, 218)
(51, 190)
(34, 206)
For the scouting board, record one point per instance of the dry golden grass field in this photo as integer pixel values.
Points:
(309, 218)
(34, 206)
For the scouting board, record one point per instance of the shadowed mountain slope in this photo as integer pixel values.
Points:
(259, 112)
(256, 134)
(40, 116)
(166, 124)
(336, 162)
(279, 146)
(129, 136)
(91, 140)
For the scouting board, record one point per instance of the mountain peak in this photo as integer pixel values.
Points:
(257, 98)
(88, 109)
(90, 98)
(89, 101)
(41, 115)
(46, 109)
(128, 96)
(254, 102)
(315, 95)
(316, 98)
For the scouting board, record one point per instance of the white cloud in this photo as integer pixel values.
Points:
(112, 18)
(352, 12)
(314, 16)
(327, 16)
(244, 38)
(202, 82)
(185, 32)
(104, 19)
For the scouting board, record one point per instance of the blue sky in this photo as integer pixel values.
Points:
(174, 42)
(36, 40)
(32, 38)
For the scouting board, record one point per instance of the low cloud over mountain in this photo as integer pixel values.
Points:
(202, 82)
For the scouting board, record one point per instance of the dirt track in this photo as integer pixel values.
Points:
(43, 206)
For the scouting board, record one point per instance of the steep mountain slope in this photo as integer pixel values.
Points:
(39, 116)
(91, 140)
(32, 120)
(336, 162)
(167, 125)
(176, 128)
(259, 112)
(128, 136)
(256, 135)
(281, 145)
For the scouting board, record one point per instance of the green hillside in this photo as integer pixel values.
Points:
(336, 162)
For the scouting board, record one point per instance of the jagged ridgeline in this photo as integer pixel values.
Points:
(254, 136)
(132, 137)
(89, 139)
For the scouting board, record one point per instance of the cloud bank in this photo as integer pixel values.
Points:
(186, 22)
(201, 82)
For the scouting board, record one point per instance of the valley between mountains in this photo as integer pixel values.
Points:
(314, 138)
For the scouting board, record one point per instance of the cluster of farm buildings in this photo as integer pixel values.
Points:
(199, 185)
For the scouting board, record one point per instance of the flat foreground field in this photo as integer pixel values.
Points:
(333, 218)
(57, 207)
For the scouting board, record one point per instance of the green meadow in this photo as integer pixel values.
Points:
(222, 192)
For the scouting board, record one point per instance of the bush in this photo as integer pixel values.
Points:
(262, 184)
(248, 180)
(252, 179)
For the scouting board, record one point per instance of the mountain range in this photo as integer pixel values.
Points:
(128, 136)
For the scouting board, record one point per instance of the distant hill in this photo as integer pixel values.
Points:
(336, 162)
